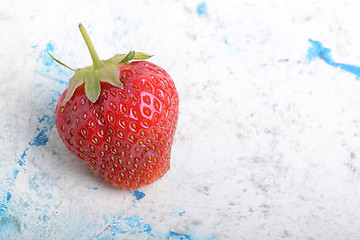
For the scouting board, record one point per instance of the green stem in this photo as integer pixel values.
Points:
(95, 58)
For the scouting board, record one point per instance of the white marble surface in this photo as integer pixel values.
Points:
(268, 140)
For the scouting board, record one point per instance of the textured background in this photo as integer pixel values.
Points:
(268, 139)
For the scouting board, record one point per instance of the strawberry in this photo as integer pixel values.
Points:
(119, 116)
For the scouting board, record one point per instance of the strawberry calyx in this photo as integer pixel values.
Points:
(100, 71)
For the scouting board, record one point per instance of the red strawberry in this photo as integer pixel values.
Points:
(120, 118)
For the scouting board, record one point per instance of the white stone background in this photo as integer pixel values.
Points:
(268, 139)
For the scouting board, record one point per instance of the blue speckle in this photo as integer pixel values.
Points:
(49, 121)
(41, 138)
(225, 40)
(8, 197)
(21, 161)
(317, 50)
(4, 203)
(274, 106)
(46, 123)
(138, 195)
(180, 236)
(23, 155)
(93, 188)
(49, 47)
(182, 213)
(202, 8)
(42, 119)
(16, 172)
(45, 57)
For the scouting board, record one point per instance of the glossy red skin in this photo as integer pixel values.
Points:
(127, 134)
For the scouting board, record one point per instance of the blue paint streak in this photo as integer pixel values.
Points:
(138, 195)
(135, 225)
(49, 47)
(202, 8)
(23, 155)
(182, 213)
(317, 50)
(4, 203)
(180, 236)
(47, 60)
(16, 172)
(93, 188)
(21, 161)
(8, 197)
(41, 138)
(49, 68)
(46, 123)
(59, 80)
(131, 225)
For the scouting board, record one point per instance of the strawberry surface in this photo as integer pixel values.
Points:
(127, 134)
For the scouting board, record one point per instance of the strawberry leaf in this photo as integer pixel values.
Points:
(116, 59)
(142, 56)
(74, 83)
(92, 78)
(109, 74)
(128, 57)
(61, 63)
(120, 58)
(92, 85)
